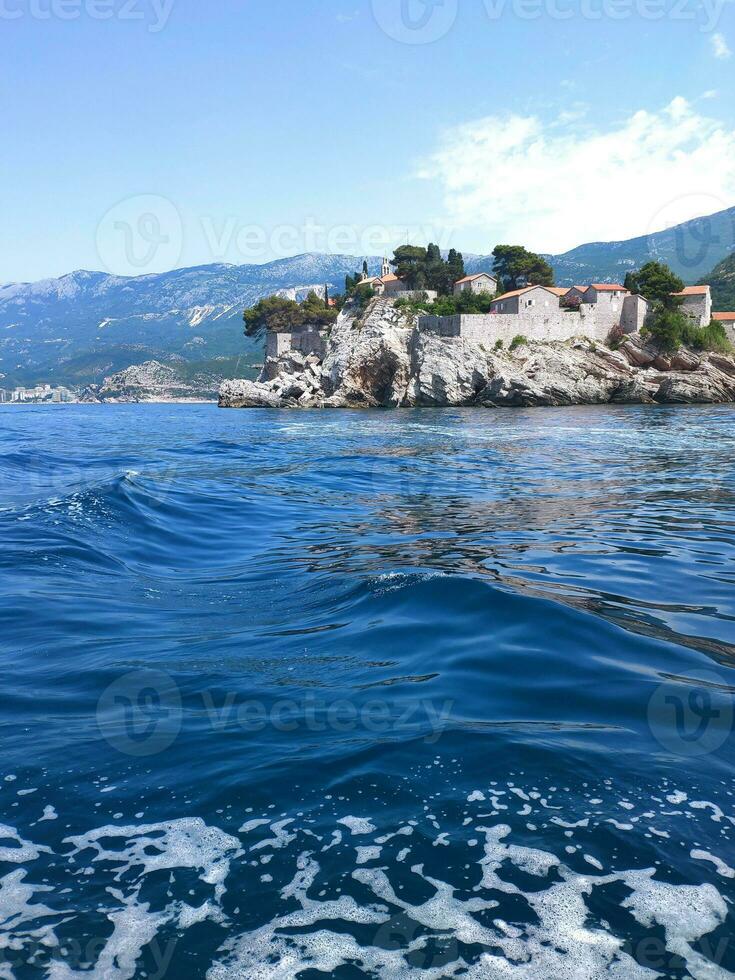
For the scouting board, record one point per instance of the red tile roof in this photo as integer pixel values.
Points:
(519, 292)
(693, 291)
(477, 275)
(602, 287)
(514, 292)
(724, 317)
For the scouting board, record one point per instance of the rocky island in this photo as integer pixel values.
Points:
(381, 357)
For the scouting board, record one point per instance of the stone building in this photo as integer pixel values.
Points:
(697, 303)
(605, 291)
(481, 282)
(728, 322)
(531, 300)
(306, 340)
(539, 313)
(387, 283)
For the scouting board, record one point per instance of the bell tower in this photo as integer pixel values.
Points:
(386, 269)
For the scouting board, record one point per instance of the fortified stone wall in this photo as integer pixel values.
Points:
(491, 327)
(304, 341)
(414, 294)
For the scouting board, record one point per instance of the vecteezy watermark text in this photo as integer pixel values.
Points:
(142, 713)
(426, 21)
(706, 13)
(76, 954)
(154, 14)
(146, 232)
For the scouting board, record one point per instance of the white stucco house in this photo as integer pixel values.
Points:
(481, 282)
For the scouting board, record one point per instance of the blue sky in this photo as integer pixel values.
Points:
(147, 134)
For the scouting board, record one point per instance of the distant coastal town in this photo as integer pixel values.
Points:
(43, 394)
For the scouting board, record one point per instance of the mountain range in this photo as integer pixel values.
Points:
(85, 326)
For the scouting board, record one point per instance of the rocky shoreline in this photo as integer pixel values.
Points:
(380, 359)
(152, 382)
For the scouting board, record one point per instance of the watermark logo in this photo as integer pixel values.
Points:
(35, 951)
(140, 714)
(140, 234)
(154, 14)
(426, 21)
(697, 242)
(693, 718)
(428, 951)
(415, 21)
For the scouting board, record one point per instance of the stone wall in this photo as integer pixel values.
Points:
(699, 308)
(305, 341)
(429, 294)
(489, 328)
(635, 312)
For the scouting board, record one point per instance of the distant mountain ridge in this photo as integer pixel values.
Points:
(722, 281)
(85, 326)
(692, 249)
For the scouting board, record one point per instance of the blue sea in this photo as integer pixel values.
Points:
(431, 693)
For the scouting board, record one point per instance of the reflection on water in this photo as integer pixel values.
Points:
(436, 692)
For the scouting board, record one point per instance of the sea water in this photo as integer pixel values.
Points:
(432, 693)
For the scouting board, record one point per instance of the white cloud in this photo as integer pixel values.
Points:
(554, 186)
(720, 47)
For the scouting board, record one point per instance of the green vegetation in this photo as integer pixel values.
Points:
(362, 296)
(713, 337)
(515, 267)
(722, 281)
(667, 325)
(284, 315)
(499, 345)
(656, 283)
(424, 268)
(615, 337)
(353, 281)
(466, 302)
(671, 329)
(518, 341)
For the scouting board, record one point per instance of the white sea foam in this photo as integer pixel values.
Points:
(722, 869)
(367, 854)
(508, 911)
(358, 825)
(185, 843)
(25, 851)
